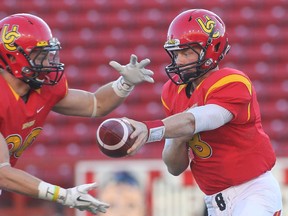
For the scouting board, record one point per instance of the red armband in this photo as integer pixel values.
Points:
(156, 130)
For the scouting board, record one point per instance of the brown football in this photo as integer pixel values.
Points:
(113, 137)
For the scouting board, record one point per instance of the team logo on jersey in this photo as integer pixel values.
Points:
(8, 37)
(28, 124)
(208, 26)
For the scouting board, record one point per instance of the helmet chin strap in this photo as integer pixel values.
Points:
(33, 84)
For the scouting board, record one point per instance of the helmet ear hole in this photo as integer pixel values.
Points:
(216, 47)
(11, 58)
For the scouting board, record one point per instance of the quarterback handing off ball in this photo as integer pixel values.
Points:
(113, 137)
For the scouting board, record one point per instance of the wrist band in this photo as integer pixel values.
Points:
(93, 115)
(4, 164)
(122, 88)
(51, 192)
(156, 130)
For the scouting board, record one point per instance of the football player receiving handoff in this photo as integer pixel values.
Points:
(32, 84)
(213, 122)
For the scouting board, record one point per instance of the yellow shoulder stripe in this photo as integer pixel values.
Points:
(230, 79)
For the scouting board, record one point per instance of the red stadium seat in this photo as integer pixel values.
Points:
(274, 110)
(273, 90)
(276, 129)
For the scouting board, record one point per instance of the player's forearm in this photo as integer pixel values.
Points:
(175, 156)
(107, 99)
(179, 125)
(76, 103)
(18, 181)
(14, 179)
(87, 104)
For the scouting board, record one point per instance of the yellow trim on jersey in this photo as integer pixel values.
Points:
(248, 111)
(14, 93)
(66, 82)
(180, 88)
(164, 104)
(230, 79)
(199, 84)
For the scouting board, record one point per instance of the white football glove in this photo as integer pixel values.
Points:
(134, 72)
(79, 198)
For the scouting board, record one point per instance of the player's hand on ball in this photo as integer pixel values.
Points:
(79, 198)
(134, 72)
(140, 133)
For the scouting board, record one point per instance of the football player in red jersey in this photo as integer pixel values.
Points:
(32, 84)
(213, 122)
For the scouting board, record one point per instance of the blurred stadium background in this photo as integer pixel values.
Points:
(93, 32)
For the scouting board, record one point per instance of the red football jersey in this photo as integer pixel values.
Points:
(20, 122)
(239, 150)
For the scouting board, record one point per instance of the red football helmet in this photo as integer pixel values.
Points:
(196, 28)
(28, 50)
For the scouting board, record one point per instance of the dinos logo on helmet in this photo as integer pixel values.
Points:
(172, 43)
(9, 37)
(208, 26)
(42, 43)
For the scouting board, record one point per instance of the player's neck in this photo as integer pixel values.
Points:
(198, 81)
(20, 87)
